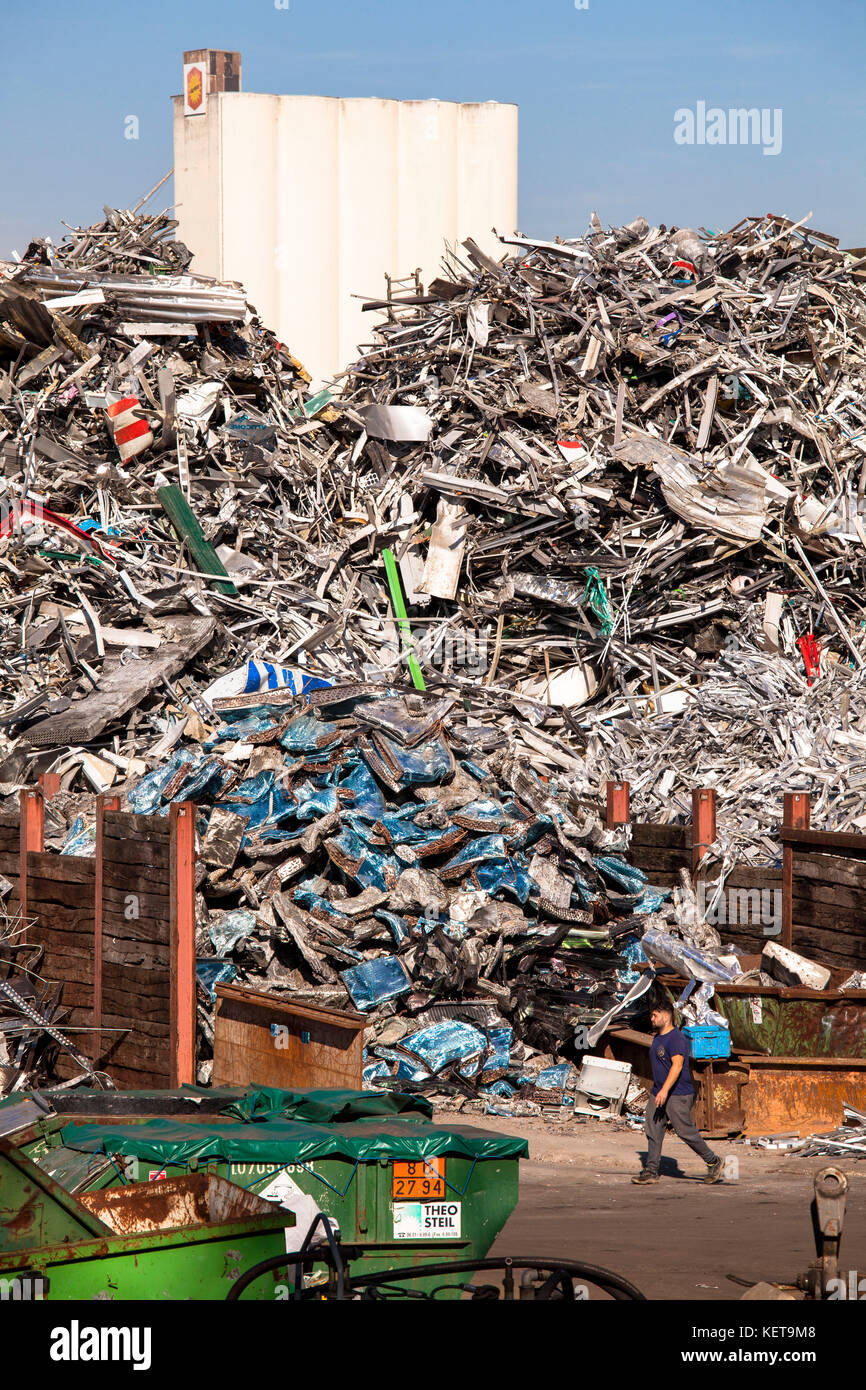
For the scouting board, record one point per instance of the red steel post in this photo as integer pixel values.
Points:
(103, 804)
(32, 813)
(617, 810)
(796, 815)
(182, 820)
(703, 823)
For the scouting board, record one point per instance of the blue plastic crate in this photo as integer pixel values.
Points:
(708, 1041)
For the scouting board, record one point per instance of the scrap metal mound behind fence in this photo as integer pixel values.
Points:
(115, 931)
(618, 482)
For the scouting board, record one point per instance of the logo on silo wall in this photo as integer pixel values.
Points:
(194, 91)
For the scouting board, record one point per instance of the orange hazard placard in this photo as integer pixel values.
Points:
(422, 1180)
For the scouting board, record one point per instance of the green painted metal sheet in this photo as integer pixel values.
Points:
(769, 1023)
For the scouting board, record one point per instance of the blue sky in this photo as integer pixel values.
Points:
(597, 90)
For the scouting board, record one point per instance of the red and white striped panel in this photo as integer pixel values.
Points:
(131, 434)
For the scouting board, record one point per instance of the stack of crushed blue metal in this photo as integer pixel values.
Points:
(364, 847)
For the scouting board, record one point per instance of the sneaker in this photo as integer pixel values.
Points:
(646, 1175)
(714, 1171)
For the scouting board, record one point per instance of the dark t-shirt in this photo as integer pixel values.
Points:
(663, 1049)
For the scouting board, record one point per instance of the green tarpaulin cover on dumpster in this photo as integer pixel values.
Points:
(325, 1107)
(281, 1141)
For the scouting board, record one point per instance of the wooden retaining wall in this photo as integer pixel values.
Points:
(661, 851)
(118, 935)
(59, 897)
(815, 903)
(828, 895)
(10, 858)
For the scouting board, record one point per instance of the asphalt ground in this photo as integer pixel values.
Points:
(678, 1238)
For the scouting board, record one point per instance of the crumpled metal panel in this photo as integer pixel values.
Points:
(424, 765)
(375, 981)
(147, 795)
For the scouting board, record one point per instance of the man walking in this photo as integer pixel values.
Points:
(672, 1098)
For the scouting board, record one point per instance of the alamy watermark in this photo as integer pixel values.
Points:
(741, 907)
(739, 125)
(851, 1289)
(456, 651)
(23, 1288)
(18, 512)
(282, 1036)
(77, 1343)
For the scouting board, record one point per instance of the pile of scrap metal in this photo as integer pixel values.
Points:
(386, 851)
(128, 391)
(607, 491)
(848, 1141)
(621, 477)
(648, 454)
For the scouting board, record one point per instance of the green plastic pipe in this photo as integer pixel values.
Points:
(402, 618)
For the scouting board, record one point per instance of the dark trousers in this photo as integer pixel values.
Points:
(677, 1109)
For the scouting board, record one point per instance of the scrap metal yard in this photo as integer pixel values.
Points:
(432, 795)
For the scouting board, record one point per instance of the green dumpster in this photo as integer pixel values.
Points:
(185, 1238)
(408, 1190)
